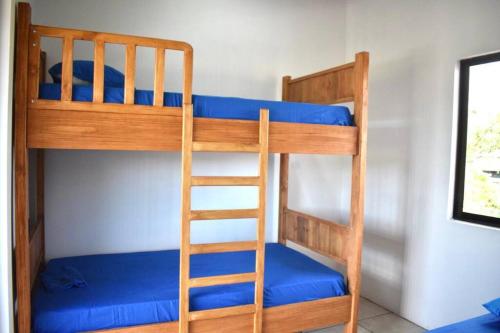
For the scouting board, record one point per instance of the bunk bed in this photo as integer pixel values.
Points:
(234, 299)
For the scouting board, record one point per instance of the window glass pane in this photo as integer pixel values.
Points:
(482, 166)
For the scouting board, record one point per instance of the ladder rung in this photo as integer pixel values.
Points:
(224, 181)
(224, 214)
(226, 147)
(223, 247)
(222, 279)
(222, 312)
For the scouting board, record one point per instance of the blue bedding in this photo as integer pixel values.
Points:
(141, 288)
(219, 107)
(483, 324)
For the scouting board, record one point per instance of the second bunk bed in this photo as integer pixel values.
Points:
(221, 287)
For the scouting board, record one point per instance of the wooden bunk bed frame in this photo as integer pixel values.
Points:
(44, 124)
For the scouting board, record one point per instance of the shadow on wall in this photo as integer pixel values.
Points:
(387, 192)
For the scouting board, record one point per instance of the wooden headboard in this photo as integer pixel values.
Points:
(331, 86)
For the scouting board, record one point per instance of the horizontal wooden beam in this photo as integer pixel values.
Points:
(224, 214)
(224, 181)
(223, 247)
(226, 147)
(303, 316)
(222, 312)
(111, 38)
(221, 279)
(80, 125)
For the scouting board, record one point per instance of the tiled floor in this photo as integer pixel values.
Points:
(375, 319)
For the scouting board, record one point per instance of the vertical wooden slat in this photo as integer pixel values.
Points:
(159, 76)
(284, 163)
(40, 196)
(187, 146)
(67, 69)
(98, 93)
(188, 77)
(33, 64)
(357, 187)
(22, 250)
(261, 222)
(130, 73)
(42, 68)
(283, 197)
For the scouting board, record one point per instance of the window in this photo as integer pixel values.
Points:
(477, 177)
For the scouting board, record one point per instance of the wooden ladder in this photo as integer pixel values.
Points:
(187, 215)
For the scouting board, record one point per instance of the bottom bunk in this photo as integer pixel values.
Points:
(109, 291)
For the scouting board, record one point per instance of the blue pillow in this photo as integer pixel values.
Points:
(493, 307)
(84, 70)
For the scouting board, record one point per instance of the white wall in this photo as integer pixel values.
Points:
(6, 68)
(100, 202)
(418, 262)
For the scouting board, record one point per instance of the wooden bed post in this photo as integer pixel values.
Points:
(357, 188)
(23, 21)
(284, 162)
(40, 200)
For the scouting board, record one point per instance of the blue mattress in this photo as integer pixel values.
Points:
(483, 324)
(141, 288)
(219, 107)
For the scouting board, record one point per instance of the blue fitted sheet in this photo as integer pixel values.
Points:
(140, 288)
(483, 324)
(219, 107)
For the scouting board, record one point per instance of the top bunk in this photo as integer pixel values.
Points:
(67, 115)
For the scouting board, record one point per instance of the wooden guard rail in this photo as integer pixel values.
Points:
(69, 36)
(325, 237)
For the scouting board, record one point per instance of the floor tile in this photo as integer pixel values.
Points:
(338, 329)
(389, 323)
(369, 309)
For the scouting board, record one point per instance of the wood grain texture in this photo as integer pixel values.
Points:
(284, 165)
(67, 69)
(108, 127)
(222, 312)
(36, 251)
(112, 38)
(283, 319)
(188, 76)
(98, 91)
(358, 187)
(42, 67)
(129, 90)
(224, 214)
(261, 221)
(22, 249)
(159, 77)
(34, 65)
(224, 181)
(330, 86)
(40, 199)
(223, 247)
(325, 237)
(188, 146)
(283, 197)
(230, 147)
(221, 279)
(185, 250)
(130, 42)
